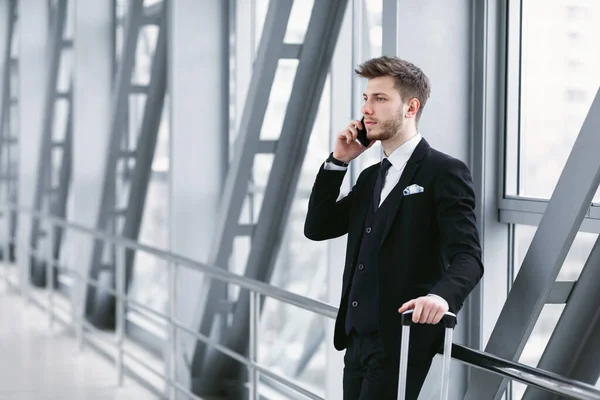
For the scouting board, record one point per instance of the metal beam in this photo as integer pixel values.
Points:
(58, 204)
(318, 47)
(390, 18)
(574, 344)
(559, 225)
(246, 146)
(146, 145)
(33, 69)
(43, 199)
(590, 225)
(561, 291)
(6, 21)
(267, 147)
(291, 51)
(120, 101)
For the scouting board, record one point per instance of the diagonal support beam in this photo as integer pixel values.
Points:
(317, 52)
(146, 145)
(557, 229)
(6, 34)
(45, 164)
(574, 345)
(59, 204)
(6, 21)
(246, 146)
(120, 101)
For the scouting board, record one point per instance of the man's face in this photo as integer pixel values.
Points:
(383, 109)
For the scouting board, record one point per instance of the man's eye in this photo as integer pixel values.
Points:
(380, 99)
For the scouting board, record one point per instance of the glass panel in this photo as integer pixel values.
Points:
(144, 52)
(537, 341)
(260, 14)
(294, 337)
(278, 99)
(150, 275)
(65, 73)
(373, 9)
(298, 24)
(575, 260)
(149, 283)
(556, 92)
(301, 263)
(291, 344)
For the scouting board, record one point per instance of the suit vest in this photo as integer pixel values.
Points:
(363, 298)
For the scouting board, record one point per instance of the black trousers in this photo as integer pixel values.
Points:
(370, 374)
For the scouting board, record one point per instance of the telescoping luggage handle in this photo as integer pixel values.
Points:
(449, 319)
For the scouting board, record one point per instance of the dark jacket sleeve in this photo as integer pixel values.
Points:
(459, 239)
(327, 218)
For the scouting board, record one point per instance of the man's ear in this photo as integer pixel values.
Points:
(413, 107)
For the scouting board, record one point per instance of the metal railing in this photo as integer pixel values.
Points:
(519, 372)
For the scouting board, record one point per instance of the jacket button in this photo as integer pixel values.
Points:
(368, 230)
(355, 303)
(361, 267)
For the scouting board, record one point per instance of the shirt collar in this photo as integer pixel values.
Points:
(401, 155)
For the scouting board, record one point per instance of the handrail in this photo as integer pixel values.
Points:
(531, 376)
(210, 270)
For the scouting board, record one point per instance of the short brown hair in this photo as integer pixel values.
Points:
(411, 82)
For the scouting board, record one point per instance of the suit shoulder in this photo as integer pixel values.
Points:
(444, 163)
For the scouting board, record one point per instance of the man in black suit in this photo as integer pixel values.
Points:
(412, 236)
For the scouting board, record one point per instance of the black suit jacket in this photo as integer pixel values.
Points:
(430, 244)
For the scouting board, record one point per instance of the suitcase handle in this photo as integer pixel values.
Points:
(449, 319)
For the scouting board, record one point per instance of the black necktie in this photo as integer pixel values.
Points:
(385, 165)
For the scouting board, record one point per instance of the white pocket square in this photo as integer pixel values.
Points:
(413, 189)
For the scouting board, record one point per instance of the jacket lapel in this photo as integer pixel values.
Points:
(396, 195)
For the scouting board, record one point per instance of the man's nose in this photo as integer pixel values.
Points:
(366, 109)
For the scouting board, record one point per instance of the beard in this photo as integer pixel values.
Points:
(388, 128)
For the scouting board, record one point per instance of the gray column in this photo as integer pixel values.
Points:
(389, 26)
(444, 55)
(92, 88)
(33, 61)
(198, 86)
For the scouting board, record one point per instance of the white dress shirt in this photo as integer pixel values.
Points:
(398, 159)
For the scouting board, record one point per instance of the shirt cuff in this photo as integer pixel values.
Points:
(332, 167)
(440, 297)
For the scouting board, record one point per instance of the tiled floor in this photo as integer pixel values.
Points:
(37, 363)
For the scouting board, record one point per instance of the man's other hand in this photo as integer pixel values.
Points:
(427, 309)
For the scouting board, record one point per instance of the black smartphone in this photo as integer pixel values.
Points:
(362, 134)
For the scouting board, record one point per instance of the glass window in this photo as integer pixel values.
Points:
(540, 336)
(575, 260)
(572, 267)
(149, 282)
(558, 83)
(301, 265)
